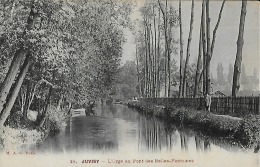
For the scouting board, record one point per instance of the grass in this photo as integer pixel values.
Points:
(245, 131)
(18, 131)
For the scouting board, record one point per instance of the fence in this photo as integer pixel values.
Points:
(234, 106)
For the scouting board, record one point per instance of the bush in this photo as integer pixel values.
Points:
(16, 121)
(56, 120)
(249, 131)
(11, 139)
(245, 131)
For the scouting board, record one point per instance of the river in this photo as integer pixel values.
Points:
(120, 133)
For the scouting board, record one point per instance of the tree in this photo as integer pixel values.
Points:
(14, 94)
(208, 57)
(167, 51)
(126, 82)
(240, 42)
(77, 56)
(17, 59)
(188, 49)
(207, 46)
(181, 51)
(199, 66)
(156, 69)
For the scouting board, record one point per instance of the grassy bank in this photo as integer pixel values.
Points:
(245, 131)
(19, 132)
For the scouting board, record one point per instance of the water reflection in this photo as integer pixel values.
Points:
(117, 128)
(155, 135)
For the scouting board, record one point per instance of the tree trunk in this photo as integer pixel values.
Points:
(152, 60)
(216, 27)
(138, 71)
(155, 57)
(166, 46)
(16, 90)
(206, 57)
(158, 55)
(188, 49)
(59, 105)
(181, 51)
(204, 44)
(208, 83)
(199, 65)
(240, 42)
(26, 102)
(17, 59)
(30, 92)
(148, 25)
(145, 64)
(10, 76)
(47, 102)
(169, 62)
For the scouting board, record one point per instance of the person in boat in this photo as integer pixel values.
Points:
(89, 110)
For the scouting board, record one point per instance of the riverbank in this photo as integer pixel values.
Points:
(245, 131)
(18, 133)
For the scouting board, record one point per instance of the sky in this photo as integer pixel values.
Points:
(227, 33)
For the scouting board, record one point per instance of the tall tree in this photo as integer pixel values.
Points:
(188, 49)
(207, 46)
(16, 89)
(181, 50)
(216, 27)
(167, 51)
(204, 44)
(17, 59)
(208, 58)
(240, 42)
(155, 54)
(158, 55)
(199, 65)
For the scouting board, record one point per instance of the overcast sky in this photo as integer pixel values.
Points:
(225, 45)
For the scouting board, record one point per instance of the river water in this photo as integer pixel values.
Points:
(119, 133)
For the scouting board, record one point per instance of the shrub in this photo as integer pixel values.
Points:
(246, 131)
(56, 120)
(12, 139)
(249, 131)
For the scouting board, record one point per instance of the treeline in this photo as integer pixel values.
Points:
(154, 48)
(156, 45)
(58, 53)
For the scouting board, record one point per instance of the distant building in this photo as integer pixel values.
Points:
(218, 94)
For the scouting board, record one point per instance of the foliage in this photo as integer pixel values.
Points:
(249, 131)
(73, 51)
(151, 39)
(126, 81)
(56, 120)
(13, 139)
(245, 131)
(75, 47)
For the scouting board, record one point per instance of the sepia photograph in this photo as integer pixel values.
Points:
(129, 83)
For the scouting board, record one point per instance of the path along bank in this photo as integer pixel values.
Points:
(245, 131)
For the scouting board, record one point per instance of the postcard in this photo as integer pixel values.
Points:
(129, 83)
